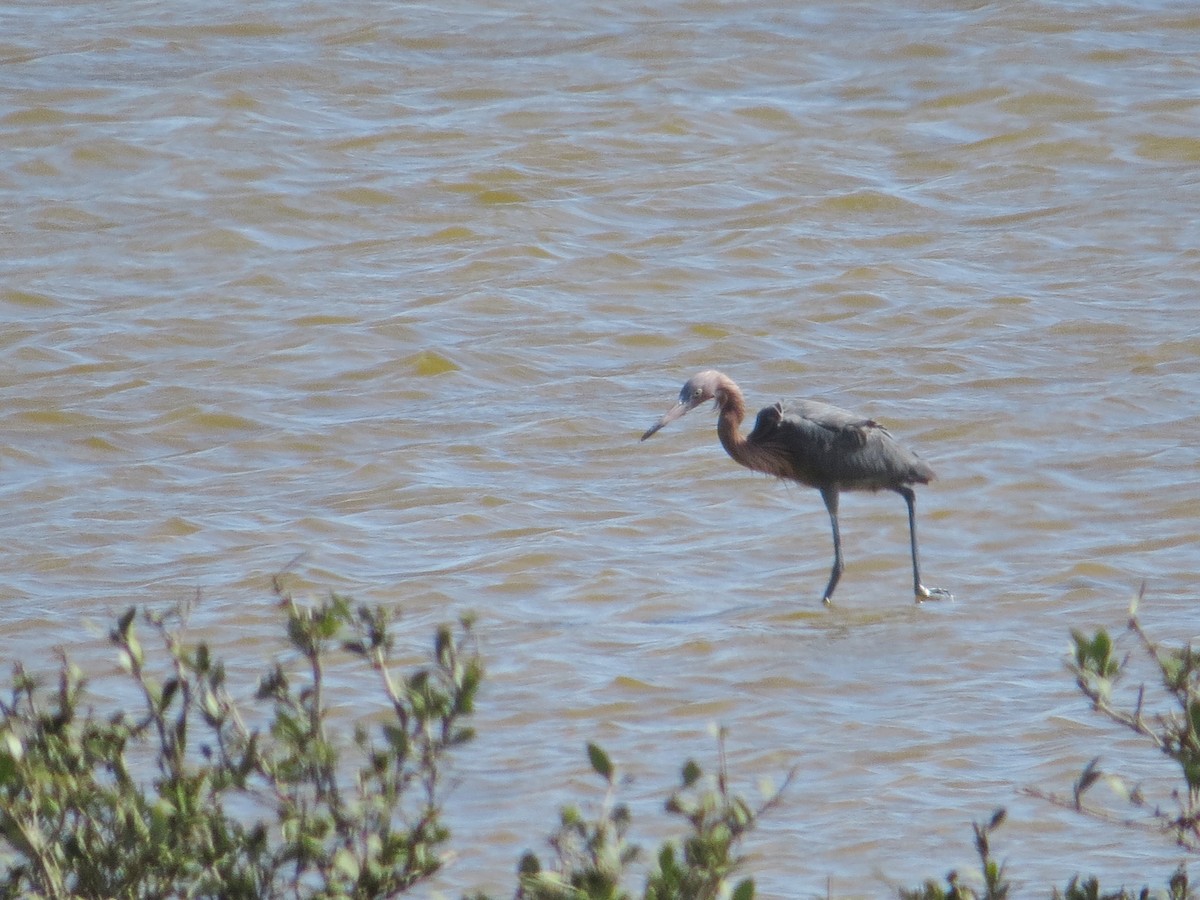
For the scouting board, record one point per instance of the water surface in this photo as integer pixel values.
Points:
(388, 293)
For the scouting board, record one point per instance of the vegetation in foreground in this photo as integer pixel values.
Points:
(1166, 715)
(189, 795)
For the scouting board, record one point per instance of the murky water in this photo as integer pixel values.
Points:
(397, 287)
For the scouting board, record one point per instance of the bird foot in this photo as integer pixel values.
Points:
(924, 593)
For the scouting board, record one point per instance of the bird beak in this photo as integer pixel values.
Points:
(675, 412)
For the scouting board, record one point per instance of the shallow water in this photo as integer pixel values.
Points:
(389, 293)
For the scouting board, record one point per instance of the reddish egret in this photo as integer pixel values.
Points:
(815, 444)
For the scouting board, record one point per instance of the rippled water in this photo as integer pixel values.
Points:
(397, 287)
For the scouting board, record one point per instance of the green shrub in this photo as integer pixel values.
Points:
(995, 885)
(77, 819)
(1166, 717)
(593, 857)
(180, 797)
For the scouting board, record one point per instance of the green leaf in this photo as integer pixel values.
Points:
(667, 864)
(442, 644)
(13, 745)
(8, 771)
(1090, 775)
(744, 891)
(529, 865)
(203, 658)
(168, 694)
(571, 817)
(134, 648)
(601, 764)
(346, 863)
(1191, 773)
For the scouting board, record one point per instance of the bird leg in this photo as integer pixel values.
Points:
(922, 592)
(830, 495)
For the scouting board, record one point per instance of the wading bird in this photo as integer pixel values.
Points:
(815, 444)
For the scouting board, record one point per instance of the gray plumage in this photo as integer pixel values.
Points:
(816, 444)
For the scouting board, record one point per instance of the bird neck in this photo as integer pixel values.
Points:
(733, 411)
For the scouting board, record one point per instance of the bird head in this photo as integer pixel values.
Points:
(695, 391)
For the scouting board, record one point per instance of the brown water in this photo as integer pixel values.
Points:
(397, 287)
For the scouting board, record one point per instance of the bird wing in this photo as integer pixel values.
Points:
(827, 416)
(820, 444)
